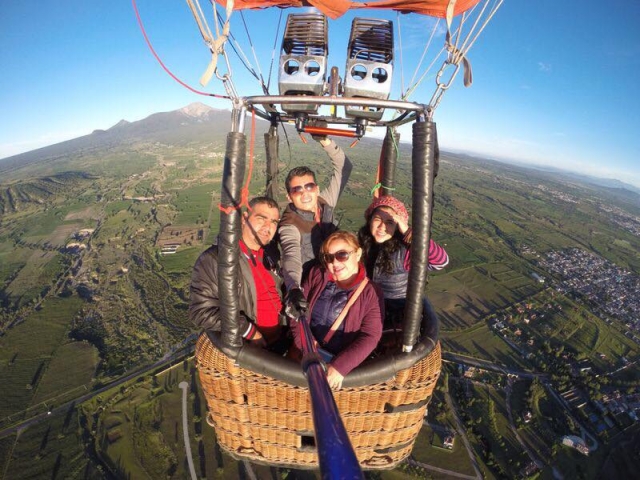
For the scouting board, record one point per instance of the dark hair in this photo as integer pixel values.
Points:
(263, 200)
(298, 172)
(378, 253)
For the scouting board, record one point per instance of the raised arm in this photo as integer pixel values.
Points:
(289, 238)
(342, 167)
(438, 258)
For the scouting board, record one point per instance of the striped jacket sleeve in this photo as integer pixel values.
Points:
(438, 258)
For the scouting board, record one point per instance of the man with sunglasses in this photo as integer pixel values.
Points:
(259, 285)
(308, 220)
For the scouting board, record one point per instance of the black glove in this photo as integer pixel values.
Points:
(295, 303)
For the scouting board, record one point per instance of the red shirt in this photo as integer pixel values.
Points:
(268, 303)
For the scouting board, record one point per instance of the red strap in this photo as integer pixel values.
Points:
(344, 311)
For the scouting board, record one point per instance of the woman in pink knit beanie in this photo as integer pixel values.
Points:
(386, 242)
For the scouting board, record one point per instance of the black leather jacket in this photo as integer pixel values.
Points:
(204, 309)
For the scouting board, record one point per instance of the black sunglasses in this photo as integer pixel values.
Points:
(299, 188)
(341, 256)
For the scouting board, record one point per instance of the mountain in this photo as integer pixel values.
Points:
(39, 190)
(202, 123)
(179, 127)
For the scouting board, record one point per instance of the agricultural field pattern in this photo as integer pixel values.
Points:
(98, 236)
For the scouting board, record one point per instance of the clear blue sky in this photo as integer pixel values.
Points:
(551, 86)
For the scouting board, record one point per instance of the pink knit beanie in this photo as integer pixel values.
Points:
(388, 201)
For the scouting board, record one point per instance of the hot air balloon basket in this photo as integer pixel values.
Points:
(268, 421)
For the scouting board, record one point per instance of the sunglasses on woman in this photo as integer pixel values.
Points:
(299, 188)
(341, 256)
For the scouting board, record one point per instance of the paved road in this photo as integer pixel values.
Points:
(463, 435)
(488, 365)
(534, 459)
(185, 430)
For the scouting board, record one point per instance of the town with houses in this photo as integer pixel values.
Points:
(598, 411)
(612, 289)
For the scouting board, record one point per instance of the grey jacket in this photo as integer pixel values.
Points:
(299, 248)
(204, 308)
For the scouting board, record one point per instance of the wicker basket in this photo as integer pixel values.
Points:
(268, 421)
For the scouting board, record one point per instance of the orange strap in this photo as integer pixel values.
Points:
(344, 311)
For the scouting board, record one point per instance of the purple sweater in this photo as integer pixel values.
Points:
(362, 325)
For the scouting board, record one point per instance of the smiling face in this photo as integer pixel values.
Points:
(382, 224)
(259, 226)
(343, 270)
(305, 199)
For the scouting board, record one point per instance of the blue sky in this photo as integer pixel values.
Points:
(551, 86)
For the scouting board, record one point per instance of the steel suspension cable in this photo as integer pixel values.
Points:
(255, 57)
(401, 61)
(273, 50)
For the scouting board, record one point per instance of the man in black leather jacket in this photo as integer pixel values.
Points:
(259, 284)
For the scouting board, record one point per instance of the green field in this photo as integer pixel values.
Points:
(78, 361)
(493, 439)
(27, 349)
(182, 261)
(116, 206)
(139, 429)
(36, 277)
(480, 341)
(573, 325)
(12, 259)
(193, 203)
(465, 296)
(456, 459)
(52, 449)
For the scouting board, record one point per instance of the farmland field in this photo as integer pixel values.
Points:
(456, 459)
(73, 365)
(27, 348)
(32, 281)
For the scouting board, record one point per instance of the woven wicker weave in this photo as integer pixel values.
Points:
(264, 420)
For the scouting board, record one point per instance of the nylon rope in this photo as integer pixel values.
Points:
(165, 68)
(216, 45)
(424, 53)
(460, 53)
(240, 53)
(205, 21)
(490, 15)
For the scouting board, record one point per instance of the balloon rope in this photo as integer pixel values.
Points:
(144, 34)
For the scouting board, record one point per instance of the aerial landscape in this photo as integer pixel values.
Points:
(539, 309)
(156, 324)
